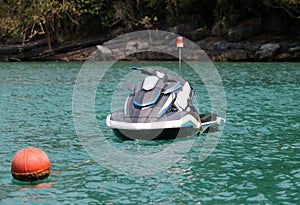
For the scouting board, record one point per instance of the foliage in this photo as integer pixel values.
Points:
(54, 18)
(59, 19)
(292, 7)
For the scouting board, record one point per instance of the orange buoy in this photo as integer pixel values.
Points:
(30, 164)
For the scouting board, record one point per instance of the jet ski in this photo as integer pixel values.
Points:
(160, 108)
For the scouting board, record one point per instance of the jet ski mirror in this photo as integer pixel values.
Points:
(136, 68)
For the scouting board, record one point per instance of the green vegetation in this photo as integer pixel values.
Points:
(58, 20)
(24, 19)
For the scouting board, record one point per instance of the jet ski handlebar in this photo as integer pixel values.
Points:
(150, 71)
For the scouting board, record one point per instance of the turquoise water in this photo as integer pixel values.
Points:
(256, 161)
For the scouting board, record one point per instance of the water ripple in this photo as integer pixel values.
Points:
(256, 161)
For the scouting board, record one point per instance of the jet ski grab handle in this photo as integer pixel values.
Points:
(150, 71)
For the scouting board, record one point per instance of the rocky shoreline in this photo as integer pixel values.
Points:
(218, 49)
(252, 51)
(271, 36)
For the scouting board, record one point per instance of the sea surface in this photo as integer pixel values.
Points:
(255, 160)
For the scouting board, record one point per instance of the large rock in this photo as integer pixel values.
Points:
(198, 34)
(104, 50)
(267, 51)
(104, 54)
(245, 30)
(136, 45)
(295, 49)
